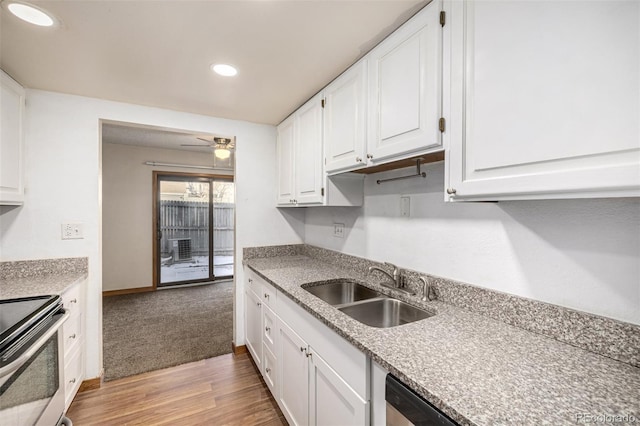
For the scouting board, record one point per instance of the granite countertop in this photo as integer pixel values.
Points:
(49, 283)
(477, 370)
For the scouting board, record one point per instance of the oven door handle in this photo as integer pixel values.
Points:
(7, 370)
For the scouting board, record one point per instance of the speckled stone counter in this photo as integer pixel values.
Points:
(476, 369)
(39, 277)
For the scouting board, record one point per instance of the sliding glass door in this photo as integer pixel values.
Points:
(194, 228)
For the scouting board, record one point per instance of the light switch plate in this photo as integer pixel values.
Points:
(338, 230)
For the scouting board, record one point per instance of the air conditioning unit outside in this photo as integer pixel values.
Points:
(180, 249)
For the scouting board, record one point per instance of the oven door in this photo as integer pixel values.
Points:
(31, 391)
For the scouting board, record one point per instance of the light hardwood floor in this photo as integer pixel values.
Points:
(226, 390)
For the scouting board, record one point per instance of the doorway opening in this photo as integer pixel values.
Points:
(194, 228)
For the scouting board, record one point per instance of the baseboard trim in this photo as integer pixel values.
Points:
(90, 384)
(127, 291)
(239, 350)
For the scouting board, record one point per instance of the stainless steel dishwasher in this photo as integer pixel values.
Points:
(405, 407)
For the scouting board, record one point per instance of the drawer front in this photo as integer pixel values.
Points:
(72, 333)
(254, 283)
(269, 328)
(72, 376)
(71, 299)
(269, 295)
(270, 373)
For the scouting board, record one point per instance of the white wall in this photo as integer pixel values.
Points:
(63, 184)
(583, 254)
(127, 209)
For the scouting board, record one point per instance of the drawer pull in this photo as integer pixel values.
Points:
(73, 336)
(72, 380)
(74, 300)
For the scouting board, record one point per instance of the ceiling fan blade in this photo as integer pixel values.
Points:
(203, 146)
(206, 140)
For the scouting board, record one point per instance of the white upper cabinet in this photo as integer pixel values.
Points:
(405, 97)
(345, 120)
(302, 180)
(308, 152)
(11, 141)
(545, 100)
(286, 161)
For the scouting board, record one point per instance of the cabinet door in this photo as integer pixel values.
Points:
(545, 100)
(253, 321)
(308, 153)
(405, 79)
(332, 401)
(345, 120)
(293, 376)
(11, 141)
(286, 161)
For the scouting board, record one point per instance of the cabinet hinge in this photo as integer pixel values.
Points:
(323, 102)
(322, 192)
(442, 124)
(443, 15)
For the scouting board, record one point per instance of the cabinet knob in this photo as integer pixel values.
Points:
(250, 280)
(309, 354)
(258, 304)
(73, 301)
(268, 370)
(301, 348)
(266, 296)
(72, 380)
(73, 336)
(267, 329)
(358, 160)
(451, 191)
(370, 157)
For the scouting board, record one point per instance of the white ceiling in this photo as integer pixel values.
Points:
(154, 137)
(157, 53)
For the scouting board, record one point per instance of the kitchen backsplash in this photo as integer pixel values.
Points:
(605, 336)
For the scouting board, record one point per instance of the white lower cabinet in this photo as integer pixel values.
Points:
(253, 313)
(331, 400)
(293, 367)
(73, 334)
(318, 379)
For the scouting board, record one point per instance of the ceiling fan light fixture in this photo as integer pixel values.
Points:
(31, 14)
(224, 70)
(222, 153)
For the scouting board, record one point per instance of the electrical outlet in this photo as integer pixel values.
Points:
(72, 231)
(405, 206)
(338, 230)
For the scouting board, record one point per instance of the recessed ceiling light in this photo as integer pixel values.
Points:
(31, 14)
(224, 69)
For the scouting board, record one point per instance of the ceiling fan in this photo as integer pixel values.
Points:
(221, 146)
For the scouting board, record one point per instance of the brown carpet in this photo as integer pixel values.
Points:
(149, 331)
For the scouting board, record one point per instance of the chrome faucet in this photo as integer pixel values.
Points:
(395, 276)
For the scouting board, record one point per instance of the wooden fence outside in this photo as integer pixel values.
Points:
(190, 220)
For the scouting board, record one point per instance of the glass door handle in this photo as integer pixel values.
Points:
(159, 234)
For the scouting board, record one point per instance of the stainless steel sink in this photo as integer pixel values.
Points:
(340, 292)
(384, 313)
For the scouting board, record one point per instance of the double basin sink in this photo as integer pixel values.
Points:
(365, 305)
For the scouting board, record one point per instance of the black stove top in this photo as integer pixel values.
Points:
(18, 316)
